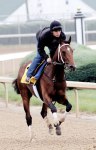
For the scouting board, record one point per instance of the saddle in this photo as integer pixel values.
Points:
(37, 73)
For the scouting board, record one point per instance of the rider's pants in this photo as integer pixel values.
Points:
(37, 60)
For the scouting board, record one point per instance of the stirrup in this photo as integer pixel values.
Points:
(33, 80)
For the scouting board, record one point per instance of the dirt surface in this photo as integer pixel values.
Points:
(77, 133)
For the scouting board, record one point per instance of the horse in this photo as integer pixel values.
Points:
(51, 87)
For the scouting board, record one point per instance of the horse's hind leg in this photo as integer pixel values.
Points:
(44, 112)
(26, 100)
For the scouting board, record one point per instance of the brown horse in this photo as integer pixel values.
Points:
(51, 86)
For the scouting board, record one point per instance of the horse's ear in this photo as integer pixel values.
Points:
(69, 41)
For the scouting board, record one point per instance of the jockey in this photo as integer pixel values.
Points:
(50, 37)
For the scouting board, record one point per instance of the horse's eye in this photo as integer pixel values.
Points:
(63, 52)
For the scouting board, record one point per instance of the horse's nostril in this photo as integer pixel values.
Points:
(72, 68)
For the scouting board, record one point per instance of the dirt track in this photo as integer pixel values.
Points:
(77, 134)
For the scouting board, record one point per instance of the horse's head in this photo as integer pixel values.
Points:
(65, 55)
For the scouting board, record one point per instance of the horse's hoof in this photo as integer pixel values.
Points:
(58, 130)
(51, 131)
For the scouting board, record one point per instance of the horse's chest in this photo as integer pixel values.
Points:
(58, 92)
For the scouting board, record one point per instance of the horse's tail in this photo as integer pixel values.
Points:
(15, 86)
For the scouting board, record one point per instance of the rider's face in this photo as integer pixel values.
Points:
(56, 33)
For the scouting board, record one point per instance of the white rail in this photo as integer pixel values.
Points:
(17, 35)
(5, 81)
(81, 85)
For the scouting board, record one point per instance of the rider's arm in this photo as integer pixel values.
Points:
(40, 48)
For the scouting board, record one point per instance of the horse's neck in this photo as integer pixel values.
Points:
(59, 70)
(55, 71)
(59, 73)
(50, 70)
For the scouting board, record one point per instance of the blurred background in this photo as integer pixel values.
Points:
(21, 19)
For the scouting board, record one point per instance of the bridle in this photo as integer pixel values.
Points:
(60, 56)
(61, 63)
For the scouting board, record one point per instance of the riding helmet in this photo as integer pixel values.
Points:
(55, 25)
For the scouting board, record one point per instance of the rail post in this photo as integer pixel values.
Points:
(77, 102)
(6, 93)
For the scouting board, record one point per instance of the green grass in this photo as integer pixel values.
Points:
(83, 55)
(87, 99)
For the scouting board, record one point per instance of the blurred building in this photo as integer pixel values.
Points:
(47, 9)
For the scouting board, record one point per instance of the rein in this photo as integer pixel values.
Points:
(53, 80)
(58, 63)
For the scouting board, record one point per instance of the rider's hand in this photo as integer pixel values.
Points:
(49, 60)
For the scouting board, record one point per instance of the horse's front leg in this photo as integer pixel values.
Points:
(45, 117)
(53, 109)
(68, 108)
(55, 117)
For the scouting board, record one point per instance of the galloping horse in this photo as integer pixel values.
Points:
(51, 86)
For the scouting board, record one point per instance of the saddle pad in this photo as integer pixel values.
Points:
(38, 72)
(23, 79)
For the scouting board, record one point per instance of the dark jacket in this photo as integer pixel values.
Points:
(45, 38)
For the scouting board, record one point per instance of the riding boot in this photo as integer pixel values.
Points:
(33, 66)
(27, 79)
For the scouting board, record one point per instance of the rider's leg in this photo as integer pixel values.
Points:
(34, 64)
(38, 74)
